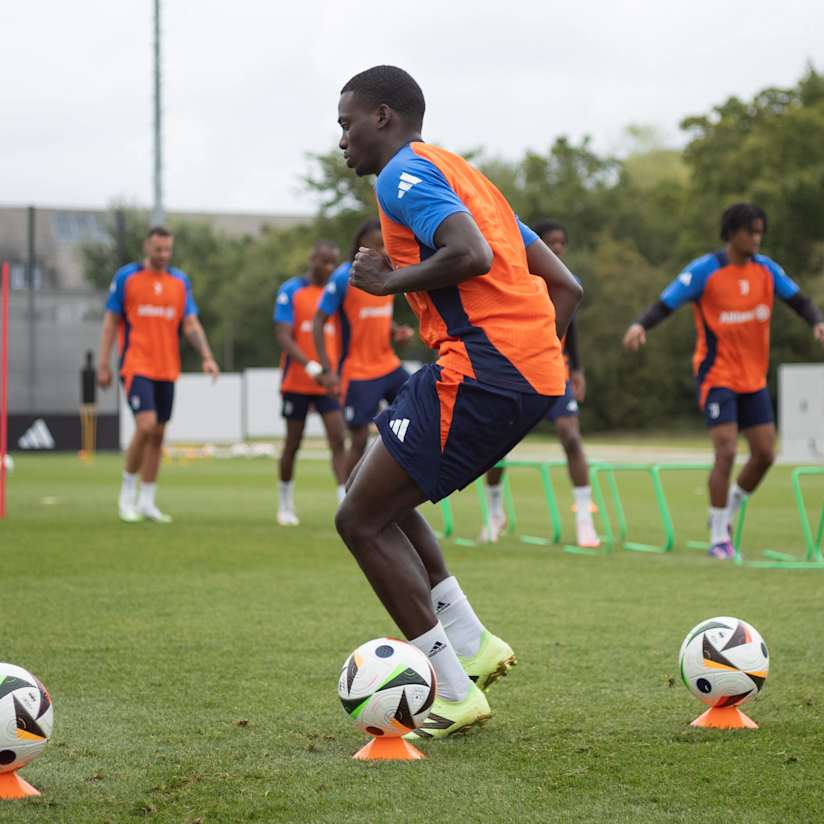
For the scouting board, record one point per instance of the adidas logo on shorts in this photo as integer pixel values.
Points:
(399, 427)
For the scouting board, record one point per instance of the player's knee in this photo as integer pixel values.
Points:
(764, 457)
(349, 526)
(146, 426)
(725, 454)
(571, 443)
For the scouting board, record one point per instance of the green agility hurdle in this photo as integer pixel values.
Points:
(608, 471)
(813, 558)
(544, 469)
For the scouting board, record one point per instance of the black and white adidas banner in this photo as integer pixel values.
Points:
(58, 432)
(37, 436)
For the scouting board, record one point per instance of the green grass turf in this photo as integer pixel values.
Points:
(193, 667)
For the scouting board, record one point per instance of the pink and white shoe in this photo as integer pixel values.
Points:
(723, 551)
(586, 535)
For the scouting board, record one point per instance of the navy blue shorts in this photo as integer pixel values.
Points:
(296, 405)
(744, 408)
(446, 430)
(565, 407)
(147, 395)
(363, 398)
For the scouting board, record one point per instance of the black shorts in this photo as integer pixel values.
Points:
(296, 405)
(446, 429)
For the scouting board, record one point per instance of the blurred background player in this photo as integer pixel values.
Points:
(149, 303)
(368, 368)
(466, 265)
(732, 293)
(564, 415)
(304, 382)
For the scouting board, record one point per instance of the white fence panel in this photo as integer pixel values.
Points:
(801, 412)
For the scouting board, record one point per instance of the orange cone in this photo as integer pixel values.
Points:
(724, 718)
(12, 786)
(392, 748)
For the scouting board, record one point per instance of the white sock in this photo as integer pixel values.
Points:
(495, 497)
(341, 492)
(128, 487)
(583, 503)
(735, 498)
(147, 495)
(460, 623)
(286, 492)
(453, 682)
(719, 520)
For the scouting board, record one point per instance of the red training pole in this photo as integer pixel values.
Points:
(4, 388)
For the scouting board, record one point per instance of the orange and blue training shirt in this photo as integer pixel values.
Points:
(732, 306)
(365, 325)
(295, 304)
(152, 305)
(498, 328)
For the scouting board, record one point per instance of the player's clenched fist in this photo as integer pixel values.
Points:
(369, 271)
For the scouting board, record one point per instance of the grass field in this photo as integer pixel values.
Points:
(193, 667)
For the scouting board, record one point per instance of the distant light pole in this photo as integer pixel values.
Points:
(158, 214)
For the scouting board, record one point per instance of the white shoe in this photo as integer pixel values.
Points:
(287, 518)
(128, 513)
(152, 513)
(586, 535)
(491, 532)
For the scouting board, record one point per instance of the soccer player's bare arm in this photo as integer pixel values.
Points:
(195, 334)
(318, 335)
(564, 291)
(327, 378)
(283, 335)
(107, 336)
(462, 253)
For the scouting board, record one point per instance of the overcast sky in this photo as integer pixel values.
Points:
(252, 85)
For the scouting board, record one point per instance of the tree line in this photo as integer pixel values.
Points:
(634, 221)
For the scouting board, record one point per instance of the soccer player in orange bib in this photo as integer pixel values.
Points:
(149, 304)
(304, 383)
(732, 293)
(369, 369)
(477, 280)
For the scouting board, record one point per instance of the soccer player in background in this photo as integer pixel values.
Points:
(304, 383)
(732, 294)
(149, 303)
(464, 260)
(564, 415)
(368, 368)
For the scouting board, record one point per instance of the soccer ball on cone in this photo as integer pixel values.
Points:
(724, 662)
(26, 717)
(387, 687)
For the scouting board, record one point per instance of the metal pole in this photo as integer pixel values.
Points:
(158, 215)
(30, 263)
(4, 384)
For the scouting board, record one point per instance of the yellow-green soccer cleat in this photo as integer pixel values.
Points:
(493, 660)
(448, 717)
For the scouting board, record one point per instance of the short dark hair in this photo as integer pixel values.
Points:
(158, 231)
(323, 243)
(391, 86)
(741, 216)
(547, 225)
(364, 229)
